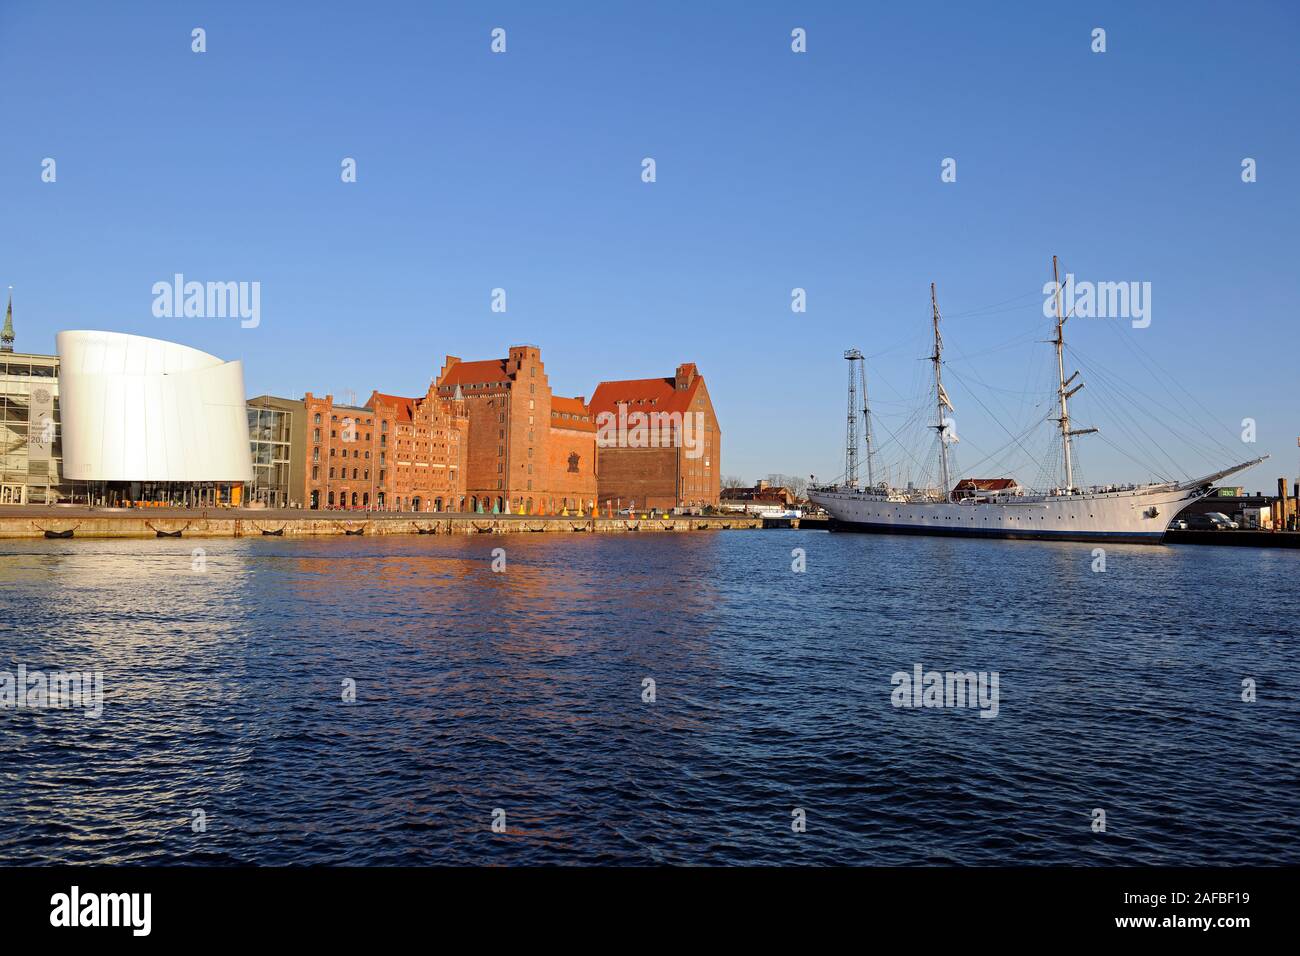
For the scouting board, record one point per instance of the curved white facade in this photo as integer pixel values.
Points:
(140, 409)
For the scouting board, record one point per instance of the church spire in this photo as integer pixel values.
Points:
(7, 334)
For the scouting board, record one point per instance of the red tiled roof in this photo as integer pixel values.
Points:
(405, 406)
(986, 484)
(781, 494)
(488, 371)
(571, 406)
(643, 395)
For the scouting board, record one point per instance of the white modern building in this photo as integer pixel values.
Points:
(144, 418)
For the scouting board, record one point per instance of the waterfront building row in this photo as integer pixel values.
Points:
(145, 420)
(488, 435)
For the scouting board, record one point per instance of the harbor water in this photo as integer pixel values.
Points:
(707, 698)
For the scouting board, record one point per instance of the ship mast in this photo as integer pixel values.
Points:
(941, 397)
(866, 425)
(1064, 391)
(851, 440)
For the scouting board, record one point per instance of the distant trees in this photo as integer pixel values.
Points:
(796, 484)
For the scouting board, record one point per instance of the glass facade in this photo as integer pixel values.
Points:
(31, 449)
(270, 433)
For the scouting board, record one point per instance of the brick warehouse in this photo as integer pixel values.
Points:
(528, 448)
(682, 473)
(487, 435)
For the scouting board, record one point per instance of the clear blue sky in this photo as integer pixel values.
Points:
(775, 170)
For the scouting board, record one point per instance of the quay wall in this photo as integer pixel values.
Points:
(229, 525)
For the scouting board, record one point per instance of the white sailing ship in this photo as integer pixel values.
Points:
(1066, 513)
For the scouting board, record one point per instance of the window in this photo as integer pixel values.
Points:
(315, 435)
(317, 421)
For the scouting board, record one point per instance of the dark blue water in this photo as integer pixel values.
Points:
(522, 691)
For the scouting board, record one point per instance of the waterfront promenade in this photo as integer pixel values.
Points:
(28, 521)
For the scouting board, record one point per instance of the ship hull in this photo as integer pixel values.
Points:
(1135, 537)
(1138, 515)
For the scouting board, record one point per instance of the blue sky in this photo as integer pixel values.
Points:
(775, 170)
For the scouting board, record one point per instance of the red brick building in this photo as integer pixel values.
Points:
(425, 461)
(660, 445)
(527, 449)
(491, 435)
(391, 454)
(344, 444)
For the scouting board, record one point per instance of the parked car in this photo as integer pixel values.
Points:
(1178, 524)
(1210, 522)
(1219, 518)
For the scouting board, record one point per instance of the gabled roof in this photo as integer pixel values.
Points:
(643, 395)
(488, 371)
(405, 406)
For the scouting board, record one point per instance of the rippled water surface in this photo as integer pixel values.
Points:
(522, 691)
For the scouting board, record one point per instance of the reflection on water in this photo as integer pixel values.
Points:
(522, 691)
